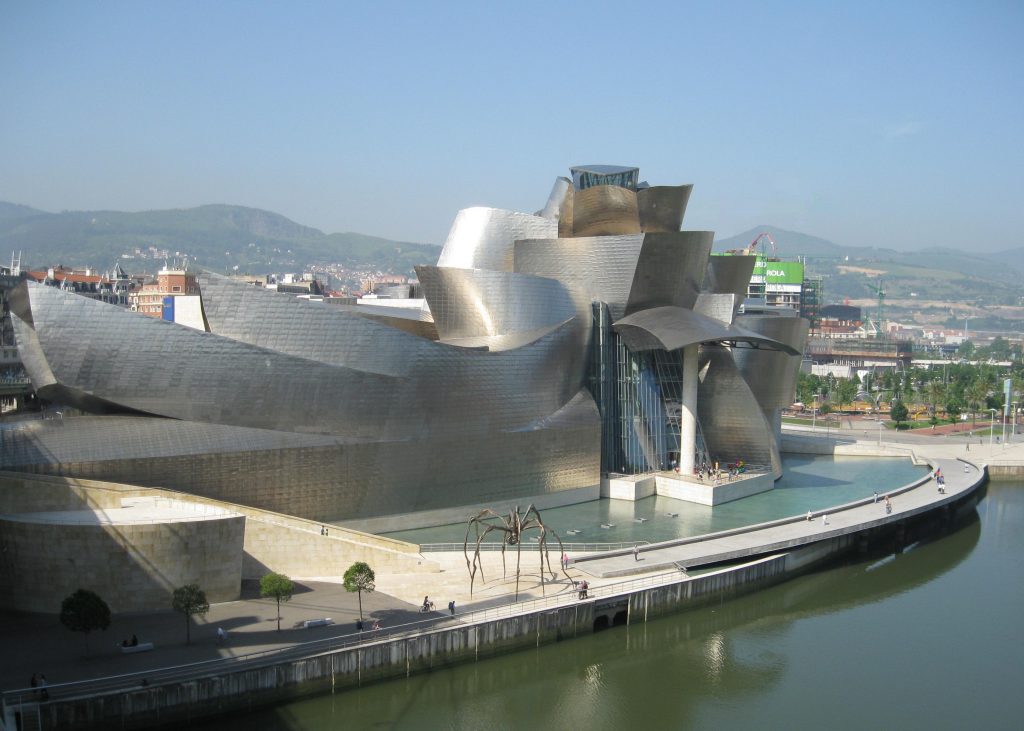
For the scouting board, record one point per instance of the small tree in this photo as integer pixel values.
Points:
(360, 578)
(84, 611)
(278, 586)
(898, 412)
(189, 600)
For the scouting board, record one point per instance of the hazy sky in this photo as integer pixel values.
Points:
(897, 124)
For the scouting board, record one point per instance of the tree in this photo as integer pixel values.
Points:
(278, 586)
(976, 394)
(189, 600)
(898, 412)
(935, 391)
(84, 611)
(953, 409)
(360, 578)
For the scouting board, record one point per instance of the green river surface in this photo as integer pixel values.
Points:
(930, 638)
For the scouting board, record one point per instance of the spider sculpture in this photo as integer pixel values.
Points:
(513, 525)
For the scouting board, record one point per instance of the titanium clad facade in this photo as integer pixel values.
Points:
(605, 210)
(482, 238)
(734, 428)
(542, 362)
(770, 374)
(474, 302)
(662, 207)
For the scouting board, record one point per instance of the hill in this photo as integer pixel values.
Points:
(853, 272)
(218, 237)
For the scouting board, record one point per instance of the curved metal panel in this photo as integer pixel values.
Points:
(732, 429)
(593, 268)
(566, 215)
(482, 238)
(605, 210)
(662, 207)
(672, 328)
(771, 374)
(729, 275)
(473, 302)
(719, 307)
(669, 270)
(314, 476)
(161, 368)
(561, 192)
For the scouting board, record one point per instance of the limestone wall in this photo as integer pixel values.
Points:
(272, 541)
(133, 566)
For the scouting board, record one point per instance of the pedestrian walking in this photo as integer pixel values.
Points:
(451, 607)
(888, 505)
(222, 635)
(565, 561)
(636, 553)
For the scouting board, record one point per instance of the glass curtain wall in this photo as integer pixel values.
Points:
(639, 396)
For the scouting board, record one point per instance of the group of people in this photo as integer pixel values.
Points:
(714, 472)
(39, 683)
(583, 587)
(940, 479)
(133, 642)
(428, 606)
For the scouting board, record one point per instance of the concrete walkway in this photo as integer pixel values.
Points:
(39, 644)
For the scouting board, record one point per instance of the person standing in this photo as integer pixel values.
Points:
(451, 607)
(636, 553)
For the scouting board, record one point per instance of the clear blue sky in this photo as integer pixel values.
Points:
(869, 123)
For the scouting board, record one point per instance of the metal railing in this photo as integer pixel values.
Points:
(567, 596)
(532, 546)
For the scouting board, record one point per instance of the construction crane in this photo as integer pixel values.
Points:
(751, 250)
(877, 289)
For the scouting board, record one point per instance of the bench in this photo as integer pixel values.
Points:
(317, 622)
(141, 647)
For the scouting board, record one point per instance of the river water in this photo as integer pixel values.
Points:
(929, 638)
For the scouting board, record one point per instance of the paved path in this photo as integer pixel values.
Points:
(38, 643)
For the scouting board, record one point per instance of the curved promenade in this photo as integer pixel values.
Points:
(789, 533)
(761, 555)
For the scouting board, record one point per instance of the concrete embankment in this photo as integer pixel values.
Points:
(463, 640)
(242, 686)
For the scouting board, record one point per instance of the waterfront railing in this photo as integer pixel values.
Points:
(567, 596)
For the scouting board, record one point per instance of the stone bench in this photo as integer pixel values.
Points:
(141, 647)
(317, 622)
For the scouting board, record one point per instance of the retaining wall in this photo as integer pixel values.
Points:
(273, 541)
(174, 704)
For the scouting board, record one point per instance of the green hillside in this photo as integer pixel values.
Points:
(932, 274)
(218, 237)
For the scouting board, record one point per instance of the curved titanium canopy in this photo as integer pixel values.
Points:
(672, 328)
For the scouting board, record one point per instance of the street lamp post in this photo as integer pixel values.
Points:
(879, 431)
(991, 427)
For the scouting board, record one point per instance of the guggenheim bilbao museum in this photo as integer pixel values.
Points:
(592, 340)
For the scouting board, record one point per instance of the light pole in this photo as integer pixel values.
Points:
(879, 431)
(991, 427)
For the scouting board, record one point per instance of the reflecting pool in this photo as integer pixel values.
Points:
(808, 483)
(927, 638)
